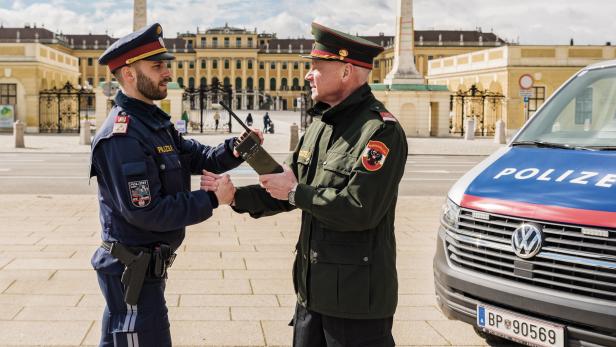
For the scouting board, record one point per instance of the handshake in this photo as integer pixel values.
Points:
(278, 185)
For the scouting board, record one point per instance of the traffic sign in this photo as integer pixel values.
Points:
(527, 93)
(526, 81)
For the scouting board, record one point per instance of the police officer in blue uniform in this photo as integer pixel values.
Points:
(143, 167)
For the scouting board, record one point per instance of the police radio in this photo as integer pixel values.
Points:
(249, 147)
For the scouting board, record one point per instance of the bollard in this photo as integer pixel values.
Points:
(470, 128)
(294, 137)
(18, 133)
(499, 132)
(84, 133)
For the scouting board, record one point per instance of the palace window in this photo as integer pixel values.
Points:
(227, 42)
(203, 63)
(272, 84)
(226, 63)
(191, 65)
(537, 100)
(214, 42)
(284, 66)
(8, 94)
(250, 64)
(583, 107)
(295, 65)
(261, 65)
(90, 61)
(307, 66)
(215, 64)
(273, 66)
(180, 65)
(238, 42)
(238, 64)
(181, 82)
(203, 42)
(250, 42)
(376, 64)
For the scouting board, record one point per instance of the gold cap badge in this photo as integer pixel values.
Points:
(343, 53)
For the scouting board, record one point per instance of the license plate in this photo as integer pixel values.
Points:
(520, 328)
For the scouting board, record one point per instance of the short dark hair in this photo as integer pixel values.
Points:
(117, 73)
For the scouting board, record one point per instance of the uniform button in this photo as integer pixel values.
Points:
(325, 162)
(365, 258)
(162, 166)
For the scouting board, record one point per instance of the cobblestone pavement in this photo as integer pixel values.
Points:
(230, 284)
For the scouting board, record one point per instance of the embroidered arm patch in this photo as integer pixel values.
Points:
(374, 155)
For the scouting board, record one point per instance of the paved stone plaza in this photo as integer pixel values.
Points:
(230, 284)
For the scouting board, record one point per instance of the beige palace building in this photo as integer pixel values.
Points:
(493, 76)
(265, 72)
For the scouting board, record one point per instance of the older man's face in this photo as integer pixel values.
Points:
(325, 78)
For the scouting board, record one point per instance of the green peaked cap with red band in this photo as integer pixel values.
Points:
(331, 44)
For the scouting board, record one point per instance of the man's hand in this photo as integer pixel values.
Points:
(209, 181)
(221, 185)
(243, 136)
(279, 185)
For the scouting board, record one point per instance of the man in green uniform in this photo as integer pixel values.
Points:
(344, 176)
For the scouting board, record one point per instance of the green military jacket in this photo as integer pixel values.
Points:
(349, 164)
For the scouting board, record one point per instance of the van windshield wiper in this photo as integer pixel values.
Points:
(546, 144)
(602, 148)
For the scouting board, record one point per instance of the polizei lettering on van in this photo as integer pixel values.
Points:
(568, 176)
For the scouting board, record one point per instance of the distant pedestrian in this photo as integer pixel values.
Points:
(249, 120)
(216, 120)
(266, 122)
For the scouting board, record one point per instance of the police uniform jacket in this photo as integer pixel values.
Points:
(349, 164)
(143, 170)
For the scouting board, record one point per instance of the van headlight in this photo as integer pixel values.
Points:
(450, 214)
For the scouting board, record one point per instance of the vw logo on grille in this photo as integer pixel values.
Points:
(527, 240)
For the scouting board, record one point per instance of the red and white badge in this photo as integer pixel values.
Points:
(120, 125)
(374, 155)
(140, 193)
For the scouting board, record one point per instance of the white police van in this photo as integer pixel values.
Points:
(527, 243)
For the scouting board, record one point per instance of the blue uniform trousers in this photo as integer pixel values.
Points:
(145, 324)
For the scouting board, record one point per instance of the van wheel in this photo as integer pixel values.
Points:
(494, 340)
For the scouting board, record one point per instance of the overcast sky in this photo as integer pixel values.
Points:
(529, 21)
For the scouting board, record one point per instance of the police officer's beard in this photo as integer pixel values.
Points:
(149, 89)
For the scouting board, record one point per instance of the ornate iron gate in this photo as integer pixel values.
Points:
(60, 110)
(483, 105)
(203, 98)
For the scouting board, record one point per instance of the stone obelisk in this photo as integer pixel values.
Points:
(404, 70)
(139, 14)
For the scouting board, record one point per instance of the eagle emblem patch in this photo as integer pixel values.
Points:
(374, 155)
(140, 193)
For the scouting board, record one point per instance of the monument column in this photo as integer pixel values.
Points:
(139, 14)
(403, 70)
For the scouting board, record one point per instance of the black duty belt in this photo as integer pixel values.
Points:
(140, 262)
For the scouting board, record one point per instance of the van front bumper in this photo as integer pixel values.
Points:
(589, 322)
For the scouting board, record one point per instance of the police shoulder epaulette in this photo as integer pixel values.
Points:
(386, 116)
(120, 124)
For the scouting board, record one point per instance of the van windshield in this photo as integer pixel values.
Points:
(582, 114)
